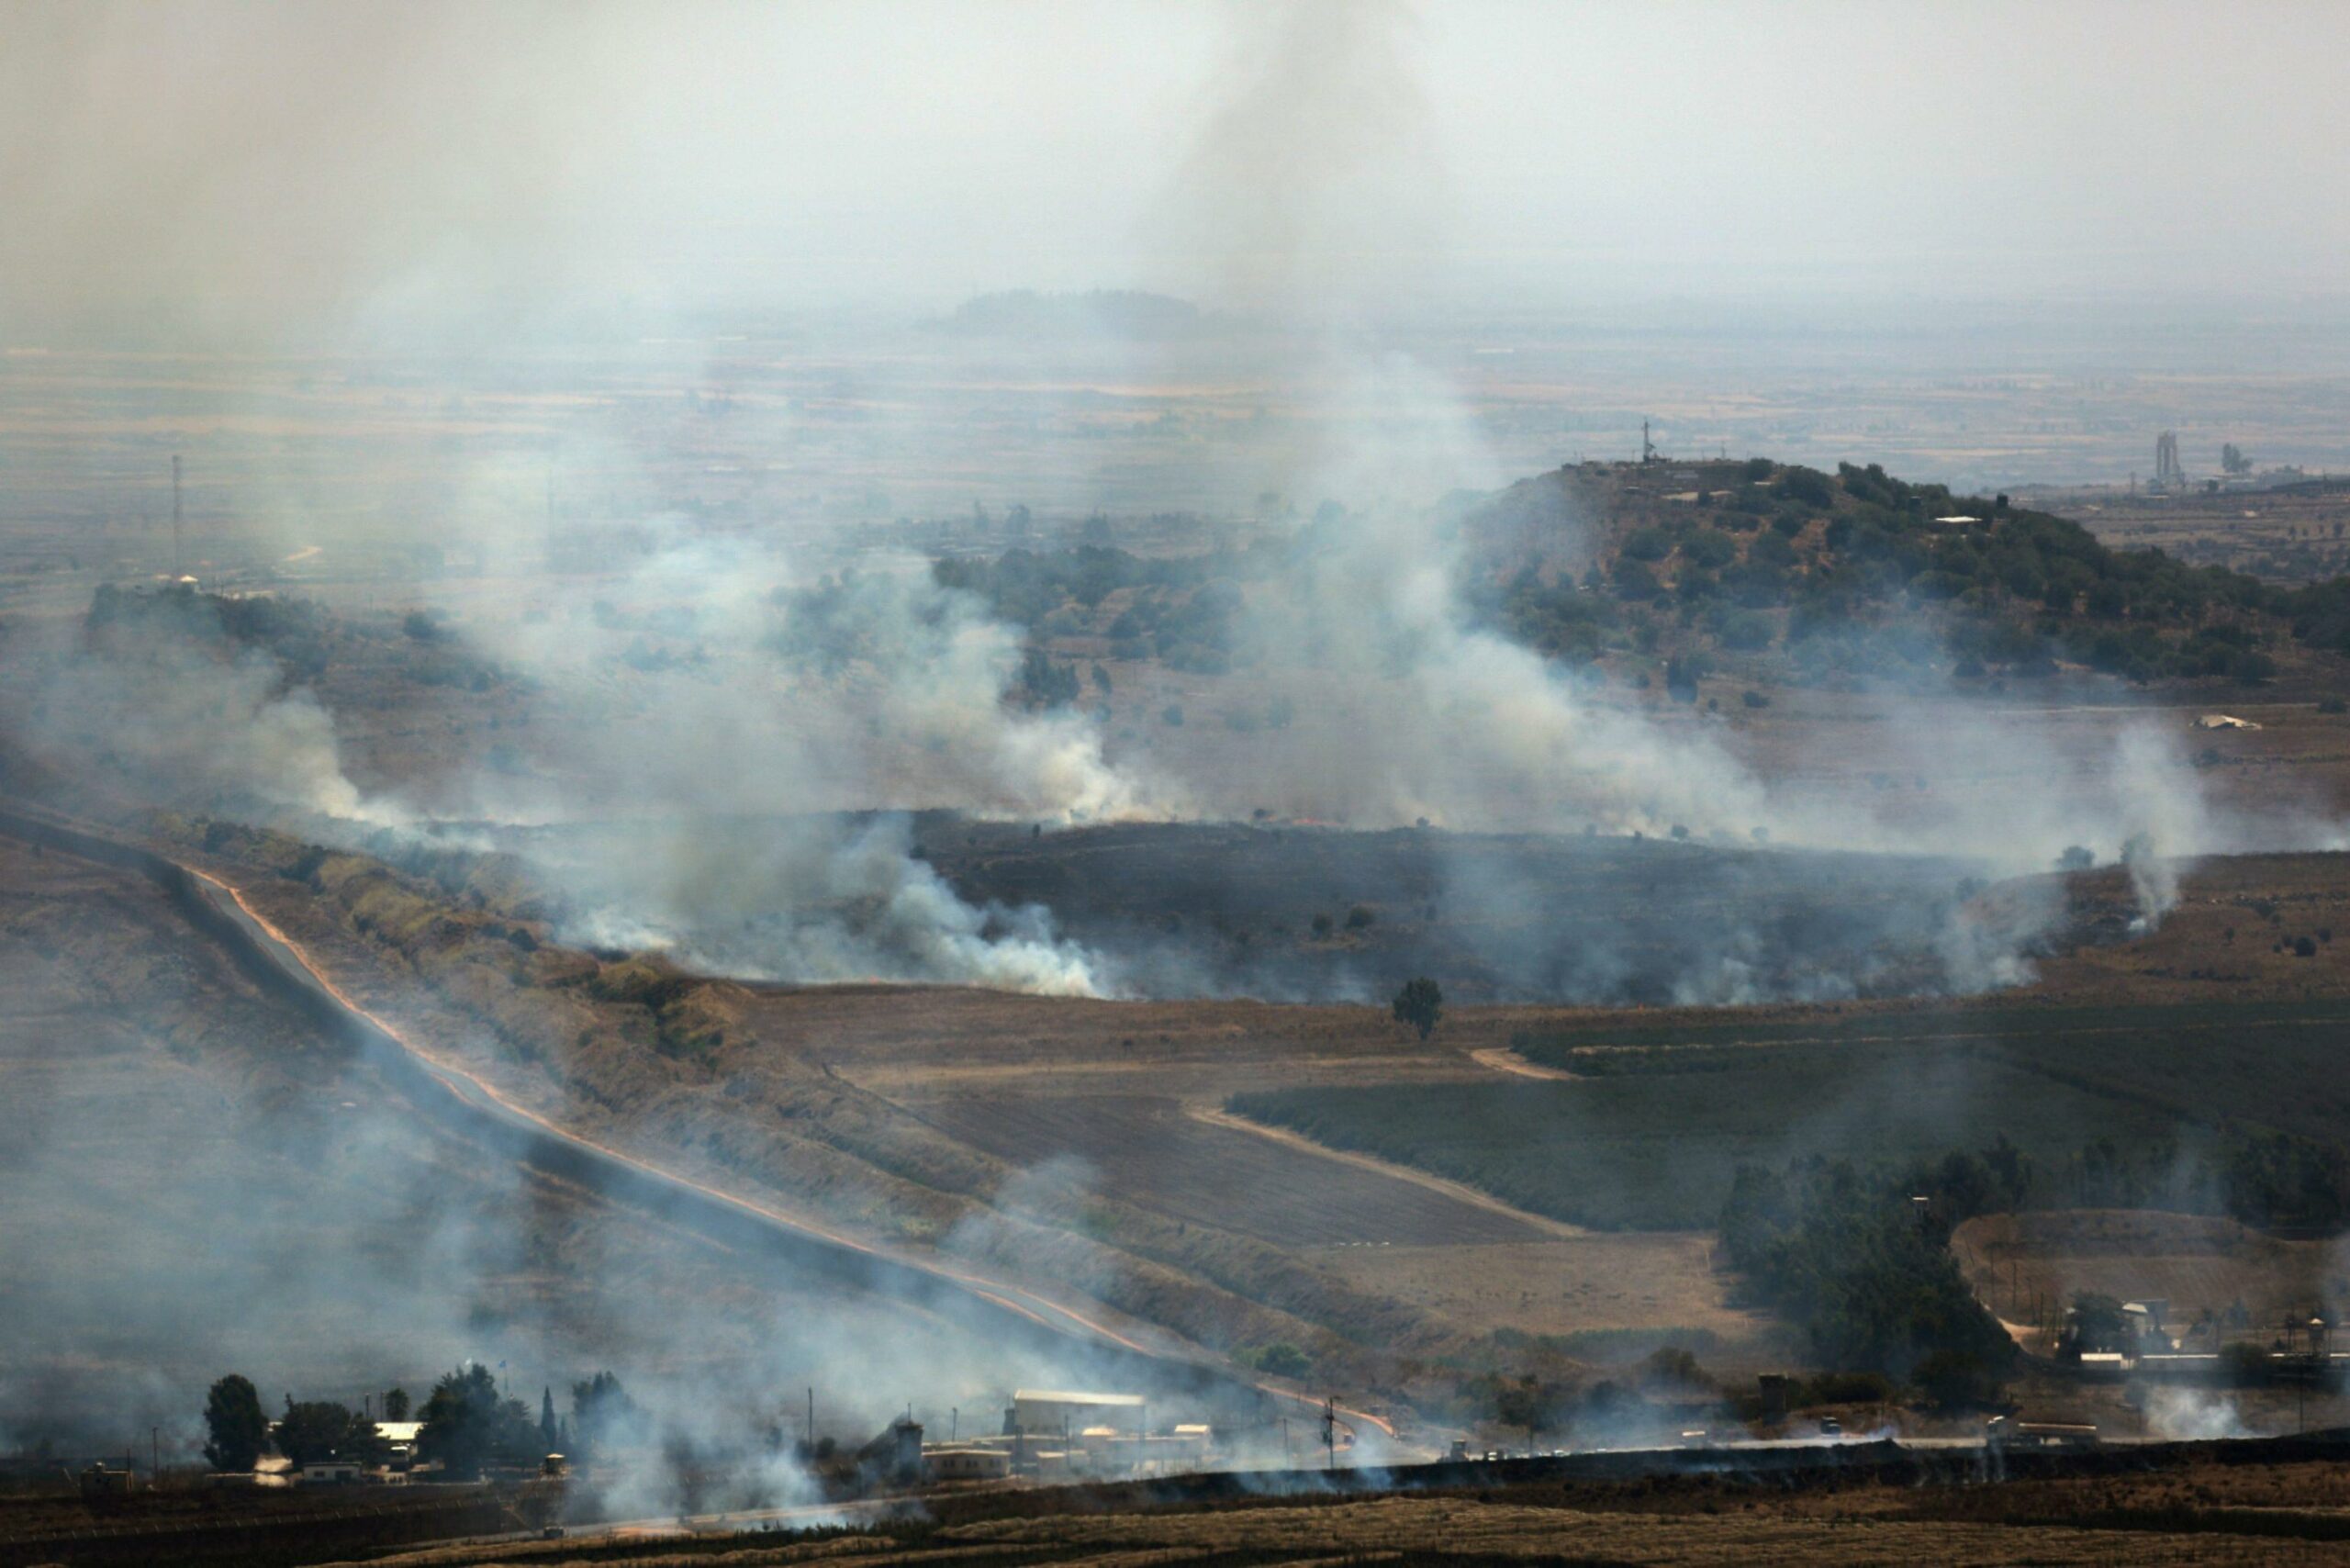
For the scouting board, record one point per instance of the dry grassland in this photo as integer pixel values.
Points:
(2196, 1262)
(2203, 1515)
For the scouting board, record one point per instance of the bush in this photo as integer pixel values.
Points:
(1746, 631)
(1756, 699)
(1710, 549)
(1419, 1004)
(1635, 583)
(1172, 715)
(1646, 544)
(1808, 485)
(1360, 918)
(1282, 1359)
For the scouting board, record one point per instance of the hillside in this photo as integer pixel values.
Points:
(1783, 574)
(1858, 574)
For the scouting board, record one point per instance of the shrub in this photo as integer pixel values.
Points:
(1746, 630)
(1648, 544)
(1282, 1359)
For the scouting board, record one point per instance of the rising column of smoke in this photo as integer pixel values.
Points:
(713, 766)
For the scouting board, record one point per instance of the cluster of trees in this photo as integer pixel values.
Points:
(1182, 610)
(237, 1434)
(2271, 1179)
(294, 631)
(1865, 1271)
(467, 1424)
(1845, 560)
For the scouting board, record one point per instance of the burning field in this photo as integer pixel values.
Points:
(609, 781)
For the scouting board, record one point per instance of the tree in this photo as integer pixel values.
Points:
(1525, 1403)
(602, 1412)
(238, 1429)
(2074, 859)
(467, 1424)
(2098, 1323)
(547, 1428)
(1282, 1359)
(321, 1429)
(395, 1405)
(1420, 1003)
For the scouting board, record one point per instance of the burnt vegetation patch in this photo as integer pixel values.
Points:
(1295, 913)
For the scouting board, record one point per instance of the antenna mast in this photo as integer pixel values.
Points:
(179, 561)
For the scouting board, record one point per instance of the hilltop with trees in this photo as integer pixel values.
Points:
(1785, 574)
(1812, 576)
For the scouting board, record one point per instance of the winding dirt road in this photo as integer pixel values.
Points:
(479, 1109)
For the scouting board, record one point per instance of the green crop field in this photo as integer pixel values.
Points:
(2284, 1065)
(1661, 1115)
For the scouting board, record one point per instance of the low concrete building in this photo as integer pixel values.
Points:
(967, 1461)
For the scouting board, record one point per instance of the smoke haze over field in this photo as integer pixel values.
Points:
(598, 510)
(1315, 180)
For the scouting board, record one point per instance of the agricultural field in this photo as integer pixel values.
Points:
(2193, 1510)
(1156, 1149)
(2274, 1064)
(2293, 532)
(1656, 1151)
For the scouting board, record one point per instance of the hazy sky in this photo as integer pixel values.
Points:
(238, 163)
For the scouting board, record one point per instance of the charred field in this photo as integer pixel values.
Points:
(1288, 910)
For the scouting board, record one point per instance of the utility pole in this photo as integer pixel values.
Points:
(811, 1417)
(154, 1455)
(179, 565)
(1331, 1432)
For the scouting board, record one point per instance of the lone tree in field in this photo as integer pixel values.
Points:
(1420, 1003)
(237, 1429)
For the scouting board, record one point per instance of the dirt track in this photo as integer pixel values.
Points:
(1215, 1117)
